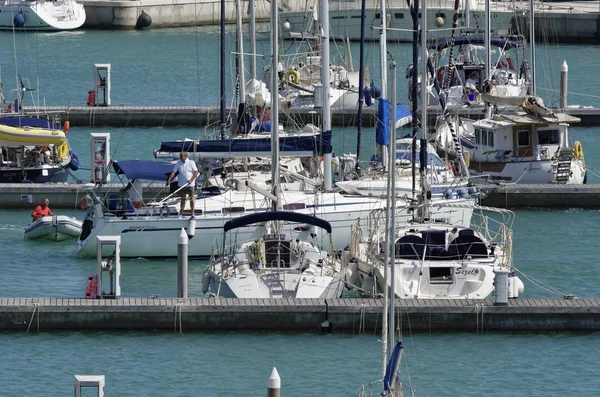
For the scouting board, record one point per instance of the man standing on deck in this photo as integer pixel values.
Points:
(41, 210)
(188, 172)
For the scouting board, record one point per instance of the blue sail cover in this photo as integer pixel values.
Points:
(403, 116)
(320, 144)
(441, 44)
(392, 366)
(289, 216)
(28, 121)
(143, 169)
(382, 131)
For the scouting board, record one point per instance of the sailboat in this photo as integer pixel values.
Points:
(272, 264)
(435, 259)
(525, 144)
(46, 15)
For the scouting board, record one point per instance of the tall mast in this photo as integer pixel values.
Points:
(414, 10)
(532, 47)
(222, 102)
(423, 211)
(325, 81)
(361, 78)
(252, 40)
(383, 61)
(275, 105)
(241, 119)
(392, 212)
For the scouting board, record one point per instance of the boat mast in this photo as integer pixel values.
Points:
(361, 77)
(383, 61)
(222, 102)
(275, 106)
(392, 214)
(325, 82)
(241, 119)
(424, 208)
(414, 10)
(252, 40)
(532, 47)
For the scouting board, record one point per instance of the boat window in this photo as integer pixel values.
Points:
(548, 137)
(440, 14)
(523, 138)
(399, 15)
(484, 137)
(231, 210)
(490, 138)
(294, 206)
(339, 17)
(378, 15)
(477, 136)
(440, 275)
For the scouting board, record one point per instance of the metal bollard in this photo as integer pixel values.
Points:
(182, 265)
(274, 384)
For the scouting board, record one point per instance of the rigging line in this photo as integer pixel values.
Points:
(36, 308)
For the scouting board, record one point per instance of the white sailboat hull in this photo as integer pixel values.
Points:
(155, 236)
(42, 15)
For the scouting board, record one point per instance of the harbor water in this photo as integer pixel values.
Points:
(558, 249)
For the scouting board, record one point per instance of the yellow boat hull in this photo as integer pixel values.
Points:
(16, 136)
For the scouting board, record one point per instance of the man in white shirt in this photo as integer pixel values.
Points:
(188, 172)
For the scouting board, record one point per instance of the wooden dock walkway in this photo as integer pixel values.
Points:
(343, 315)
(201, 116)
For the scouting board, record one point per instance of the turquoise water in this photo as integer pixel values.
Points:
(178, 67)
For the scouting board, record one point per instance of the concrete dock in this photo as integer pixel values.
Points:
(354, 315)
(63, 195)
(572, 22)
(67, 196)
(201, 116)
(542, 196)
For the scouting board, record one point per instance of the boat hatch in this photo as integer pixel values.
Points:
(278, 253)
(441, 275)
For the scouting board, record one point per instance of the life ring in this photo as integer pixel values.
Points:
(467, 157)
(292, 76)
(578, 150)
(441, 71)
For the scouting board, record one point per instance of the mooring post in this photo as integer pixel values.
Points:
(501, 286)
(274, 384)
(182, 265)
(564, 79)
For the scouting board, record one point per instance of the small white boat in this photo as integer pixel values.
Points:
(41, 15)
(56, 228)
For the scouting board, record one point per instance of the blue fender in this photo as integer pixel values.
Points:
(74, 164)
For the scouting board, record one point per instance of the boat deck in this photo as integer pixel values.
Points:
(354, 315)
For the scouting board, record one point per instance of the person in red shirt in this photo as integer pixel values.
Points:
(41, 210)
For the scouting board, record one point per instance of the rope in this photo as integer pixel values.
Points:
(36, 308)
(544, 286)
(177, 314)
(477, 306)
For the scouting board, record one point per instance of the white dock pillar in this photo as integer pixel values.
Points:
(564, 80)
(89, 381)
(274, 384)
(102, 84)
(501, 286)
(182, 265)
(112, 266)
